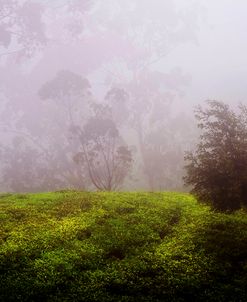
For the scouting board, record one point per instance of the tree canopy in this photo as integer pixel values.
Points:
(217, 170)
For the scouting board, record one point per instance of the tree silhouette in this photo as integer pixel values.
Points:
(103, 153)
(217, 171)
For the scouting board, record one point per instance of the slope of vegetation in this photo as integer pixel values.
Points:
(74, 246)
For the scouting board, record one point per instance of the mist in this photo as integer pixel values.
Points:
(99, 95)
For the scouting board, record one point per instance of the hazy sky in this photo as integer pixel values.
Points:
(218, 63)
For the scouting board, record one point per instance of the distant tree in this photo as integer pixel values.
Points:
(217, 171)
(103, 153)
(143, 111)
(68, 90)
(25, 168)
(117, 99)
(67, 94)
(22, 30)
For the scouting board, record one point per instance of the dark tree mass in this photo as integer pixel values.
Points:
(217, 170)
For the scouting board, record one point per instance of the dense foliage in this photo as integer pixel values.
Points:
(218, 168)
(73, 246)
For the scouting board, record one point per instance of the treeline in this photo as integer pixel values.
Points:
(82, 105)
(78, 142)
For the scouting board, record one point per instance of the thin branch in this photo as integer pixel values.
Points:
(29, 137)
(11, 52)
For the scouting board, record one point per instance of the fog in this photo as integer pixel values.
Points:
(99, 95)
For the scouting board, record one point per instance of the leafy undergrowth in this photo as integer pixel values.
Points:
(75, 246)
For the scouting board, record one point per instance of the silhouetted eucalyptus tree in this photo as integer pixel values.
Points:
(103, 153)
(217, 170)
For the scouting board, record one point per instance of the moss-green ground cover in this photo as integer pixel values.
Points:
(74, 246)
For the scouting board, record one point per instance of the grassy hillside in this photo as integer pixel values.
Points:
(73, 246)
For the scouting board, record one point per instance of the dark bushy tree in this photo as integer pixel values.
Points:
(217, 170)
